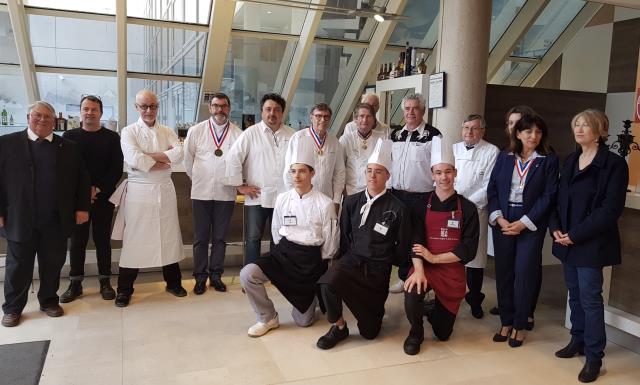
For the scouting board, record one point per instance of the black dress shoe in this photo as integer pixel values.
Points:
(218, 285)
(10, 320)
(178, 291)
(570, 350)
(74, 291)
(333, 336)
(477, 312)
(590, 371)
(494, 311)
(106, 291)
(122, 300)
(412, 344)
(502, 338)
(514, 342)
(200, 287)
(53, 310)
(530, 324)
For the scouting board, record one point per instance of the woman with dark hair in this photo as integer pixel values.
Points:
(521, 193)
(584, 225)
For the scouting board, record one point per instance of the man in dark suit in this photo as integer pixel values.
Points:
(44, 193)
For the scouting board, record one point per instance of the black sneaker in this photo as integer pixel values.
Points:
(122, 300)
(178, 291)
(200, 287)
(412, 344)
(74, 291)
(333, 336)
(106, 291)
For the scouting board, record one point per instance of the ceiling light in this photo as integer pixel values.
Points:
(379, 18)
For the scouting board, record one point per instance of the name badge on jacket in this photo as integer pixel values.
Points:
(453, 223)
(378, 228)
(290, 220)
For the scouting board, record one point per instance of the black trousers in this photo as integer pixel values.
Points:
(475, 277)
(369, 328)
(210, 223)
(100, 217)
(127, 276)
(441, 320)
(50, 246)
(408, 198)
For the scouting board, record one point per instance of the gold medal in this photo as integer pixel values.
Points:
(320, 152)
(218, 152)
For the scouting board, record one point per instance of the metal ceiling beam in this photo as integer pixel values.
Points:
(18, 19)
(516, 30)
(121, 61)
(220, 22)
(301, 53)
(369, 60)
(579, 22)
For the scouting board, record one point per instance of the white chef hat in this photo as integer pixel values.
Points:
(441, 152)
(382, 154)
(303, 152)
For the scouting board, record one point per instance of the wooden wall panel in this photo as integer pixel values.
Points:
(624, 56)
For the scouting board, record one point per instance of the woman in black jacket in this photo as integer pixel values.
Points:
(584, 226)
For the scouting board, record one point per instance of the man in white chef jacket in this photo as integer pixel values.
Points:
(205, 151)
(475, 159)
(358, 146)
(328, 153)
(254, 166)
(379, 127)
(148, 206)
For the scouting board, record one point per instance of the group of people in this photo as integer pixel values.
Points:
(342, 212)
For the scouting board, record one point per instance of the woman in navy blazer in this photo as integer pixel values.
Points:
(584, 226)
(521, 192)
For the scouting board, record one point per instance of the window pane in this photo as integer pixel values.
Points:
(8, 52)
(76, 43)
(252, 69)
(96, 6)
(325, 78)
(13, 99)
(502, 14)
(421, 30)
(334, 26)
(178, 101)
(547, 27)
(64, 91)
(165, 50)
(512, 73)
(188, 11)
(268, 18)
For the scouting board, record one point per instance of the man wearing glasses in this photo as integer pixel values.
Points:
(254, 166)
(102, 155)
(44, 193)
(330, 171)
(205, 151)
(148, 207)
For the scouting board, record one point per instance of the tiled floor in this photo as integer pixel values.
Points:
(160, 339)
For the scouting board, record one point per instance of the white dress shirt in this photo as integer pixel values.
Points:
(206, 170)
(411, 167)
(357, 157)
(329, 177)
(33, 136)
(257, 156)
(310, 220)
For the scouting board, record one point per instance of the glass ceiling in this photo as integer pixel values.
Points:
(253, 64)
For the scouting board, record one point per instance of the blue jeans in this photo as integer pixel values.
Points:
(587, 309)
(255, 220)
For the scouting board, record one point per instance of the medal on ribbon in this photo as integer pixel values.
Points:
(316, 139)
(364, 138)
(523, 169)
(218, 141)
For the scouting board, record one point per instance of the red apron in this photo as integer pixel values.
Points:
(446, 279)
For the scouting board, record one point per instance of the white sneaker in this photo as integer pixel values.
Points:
(261, 328)
(397, 287)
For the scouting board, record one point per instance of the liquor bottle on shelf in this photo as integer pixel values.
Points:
(11, 120)
(381, 73)
(401, 65)
(61, 123)
(422, 66)
(389, 70)
(414, 59)
(4, 116)
(407, 60)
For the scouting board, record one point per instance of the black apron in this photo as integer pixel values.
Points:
(294, 270)
(363, 289)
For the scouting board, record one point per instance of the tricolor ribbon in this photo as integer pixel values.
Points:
(523, 169)
(316, 139)
(219, 140)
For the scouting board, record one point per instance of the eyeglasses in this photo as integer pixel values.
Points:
(219, 106)
(322, 117)
(144, 107)
(40, 116)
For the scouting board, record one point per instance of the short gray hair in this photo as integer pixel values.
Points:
(422, 103)
(472, 117)
(42, 103)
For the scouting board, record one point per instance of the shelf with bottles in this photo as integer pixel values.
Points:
(408, 64)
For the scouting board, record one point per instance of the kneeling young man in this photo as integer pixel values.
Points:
(447, 241)
(375, 232)
(305, 232)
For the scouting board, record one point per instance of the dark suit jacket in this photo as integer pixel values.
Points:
(595, 235)
(539, 190)
(17, 195)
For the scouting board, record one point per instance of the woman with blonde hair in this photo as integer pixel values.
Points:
(584, 225)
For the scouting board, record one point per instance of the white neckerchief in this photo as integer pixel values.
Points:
(364, 210)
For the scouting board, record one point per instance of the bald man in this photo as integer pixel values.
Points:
(151, 236)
